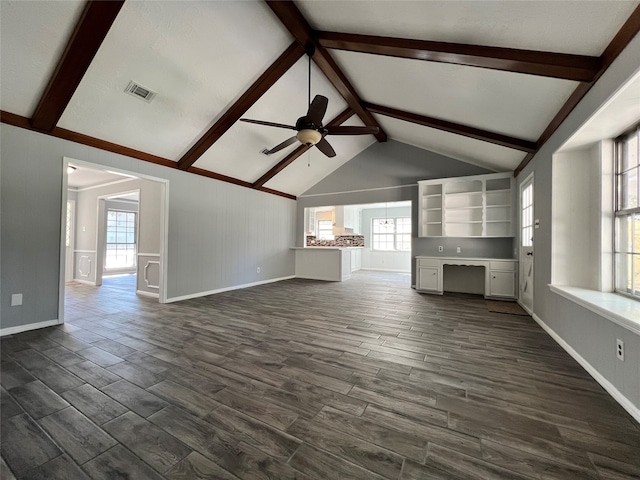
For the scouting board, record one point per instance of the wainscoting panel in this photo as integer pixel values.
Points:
(148, 274)
(84, 265)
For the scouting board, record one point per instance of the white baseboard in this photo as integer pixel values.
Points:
(323, 279)
(25, 328)
(86, 282)
(606, 384)
(147, 294)
(227, 289)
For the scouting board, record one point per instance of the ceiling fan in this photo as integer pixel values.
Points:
(309, 127)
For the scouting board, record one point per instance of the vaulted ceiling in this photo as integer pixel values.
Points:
(481, 81)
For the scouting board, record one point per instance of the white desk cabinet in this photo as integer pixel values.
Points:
(499, 275)
(502, 281)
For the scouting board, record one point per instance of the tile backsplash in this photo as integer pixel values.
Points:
(339, 241)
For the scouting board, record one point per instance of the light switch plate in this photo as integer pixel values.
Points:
(16, 299)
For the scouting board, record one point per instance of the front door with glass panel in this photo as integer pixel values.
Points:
(525, 294)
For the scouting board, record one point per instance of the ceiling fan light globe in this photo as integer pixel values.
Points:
(309, 137)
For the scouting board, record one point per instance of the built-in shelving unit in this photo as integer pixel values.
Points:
(476, 206)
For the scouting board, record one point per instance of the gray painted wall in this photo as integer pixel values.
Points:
(218, 233)
(389, 172)
(590, 335)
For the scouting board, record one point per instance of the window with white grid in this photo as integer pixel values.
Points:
(391, 234)
(121, 239)
(627, 224)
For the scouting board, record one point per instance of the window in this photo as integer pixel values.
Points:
(527, 216)
(121, 239)
(325, 230)
(391, 234)
(627, 229)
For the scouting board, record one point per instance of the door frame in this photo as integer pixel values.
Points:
(529, 179)
(164, 224)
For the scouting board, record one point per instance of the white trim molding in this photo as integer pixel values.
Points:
(86, 282)
(30, 326)
(616, 308)
(148, 254)
(147, 294)
(358, 191)
(227, 289)
(84, 251)
(633, 410)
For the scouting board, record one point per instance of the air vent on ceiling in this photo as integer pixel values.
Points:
(140, 92)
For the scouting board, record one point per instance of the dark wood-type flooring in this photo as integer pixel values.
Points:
(364, 379)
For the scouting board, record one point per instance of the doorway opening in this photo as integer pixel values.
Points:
(114, 232)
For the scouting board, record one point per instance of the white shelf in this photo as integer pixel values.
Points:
(459, 206)
(461, 194)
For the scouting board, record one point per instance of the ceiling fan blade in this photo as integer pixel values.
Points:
(268, 124)
(285, 144)
(352, 130)
(317, 110)
(326, 148)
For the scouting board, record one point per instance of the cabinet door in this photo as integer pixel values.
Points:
(502, 284)
(428, 278)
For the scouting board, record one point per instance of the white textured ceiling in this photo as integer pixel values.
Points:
(198, 56)
(33, 36)
(201, 56)
(84, 177)
(504, 102)
(580, 27)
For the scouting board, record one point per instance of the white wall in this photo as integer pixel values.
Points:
(219, 233)
(576, 217)
(590, 335)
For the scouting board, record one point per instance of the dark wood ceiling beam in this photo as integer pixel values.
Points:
(298, 26)
(90, 32)
(23, 122)
(290, 56)
(458, 129)
(626, 33)
(557, 65)
(288, 160)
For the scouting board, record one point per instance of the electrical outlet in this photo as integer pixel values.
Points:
(620, 349)
(258, 269)
(440, 248)
(16, 299)
(458, 250)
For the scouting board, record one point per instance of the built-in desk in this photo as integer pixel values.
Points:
(499, 275)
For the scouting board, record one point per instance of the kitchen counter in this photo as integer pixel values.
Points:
(333, 264)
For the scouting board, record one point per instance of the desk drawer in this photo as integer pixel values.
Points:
(428, 262)
(502, 265)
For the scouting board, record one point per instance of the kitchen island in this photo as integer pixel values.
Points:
(332, 264)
